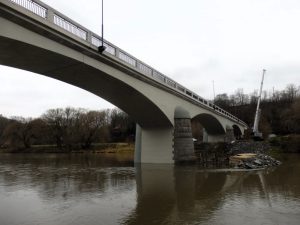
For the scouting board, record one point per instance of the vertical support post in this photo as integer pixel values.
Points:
(89, 37)
(50, 15)
(205, 136)
(138, 144)
(102, 48)
(102, 26)
(117, 53)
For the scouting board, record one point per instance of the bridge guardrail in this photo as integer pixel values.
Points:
(41, 9)
(32, 6)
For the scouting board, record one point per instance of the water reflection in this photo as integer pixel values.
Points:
(93, 189)
(65, 189)
(189, 195)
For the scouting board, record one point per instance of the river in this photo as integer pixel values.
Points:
(88, 189)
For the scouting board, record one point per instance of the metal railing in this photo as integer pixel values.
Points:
(68, 26)
(127, 58)
(41, 9)
(32, 6)
(146, 69)
(109, 49)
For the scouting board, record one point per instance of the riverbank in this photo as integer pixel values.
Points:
(285, 144)
(216, 155)
(96, 148)
(262, 153)
(242, 154)
(274, 145)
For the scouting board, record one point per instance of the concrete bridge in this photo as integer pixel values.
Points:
(37, 38)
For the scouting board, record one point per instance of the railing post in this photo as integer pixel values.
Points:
(50, 15)
(151, 73)
(89, 37)
(137, 64)
(117, 53)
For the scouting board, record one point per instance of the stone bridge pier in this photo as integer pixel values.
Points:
(183, 139)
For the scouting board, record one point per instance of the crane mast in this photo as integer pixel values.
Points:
(256, 133)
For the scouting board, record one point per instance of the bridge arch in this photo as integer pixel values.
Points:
(41, 45)
(181, 113)
(237, 131)
(77, 72)
(210, 123)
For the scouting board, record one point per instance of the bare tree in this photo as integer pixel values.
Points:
(3, 123)
(54, 120)
(291, 92)
(222, 100)
(240, 97)
(91, 125)
(21, 132)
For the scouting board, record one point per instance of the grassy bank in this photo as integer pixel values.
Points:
(280, 144)
(96, 148)
(286, 144)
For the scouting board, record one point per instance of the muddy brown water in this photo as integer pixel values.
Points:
(58, 189)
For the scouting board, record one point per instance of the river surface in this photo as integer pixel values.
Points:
(61, 189)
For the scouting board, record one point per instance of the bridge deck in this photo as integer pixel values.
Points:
(82, 34)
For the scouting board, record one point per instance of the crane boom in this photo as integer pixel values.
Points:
(256, 133)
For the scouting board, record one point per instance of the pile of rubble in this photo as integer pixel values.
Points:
(251, 155)
(252, 161)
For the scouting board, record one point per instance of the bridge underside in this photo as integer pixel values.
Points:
(162, 136)
(41, 61)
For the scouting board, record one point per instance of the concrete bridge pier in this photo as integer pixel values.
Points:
(165, 145)
(212, 138)
(138, 143)
(154, 145)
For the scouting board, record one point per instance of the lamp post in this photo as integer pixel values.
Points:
(102, 48)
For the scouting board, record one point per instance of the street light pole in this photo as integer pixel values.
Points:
(102, 48)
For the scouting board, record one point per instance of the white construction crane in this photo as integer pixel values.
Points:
(256, 134)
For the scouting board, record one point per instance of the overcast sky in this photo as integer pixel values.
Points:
(193, 41)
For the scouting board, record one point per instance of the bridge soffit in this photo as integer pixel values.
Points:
(212, 120)
(210, 123)
(126, 92)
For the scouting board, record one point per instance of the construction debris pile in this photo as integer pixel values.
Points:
(243, 154)
(252, 161)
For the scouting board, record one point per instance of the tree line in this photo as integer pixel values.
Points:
(80, 128)
(280, 110)
(67, 128)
